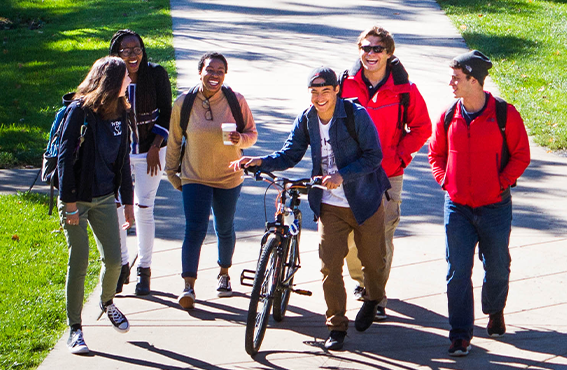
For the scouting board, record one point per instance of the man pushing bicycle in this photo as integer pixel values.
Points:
(346, 154)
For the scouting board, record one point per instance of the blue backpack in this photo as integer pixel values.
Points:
(49, 167)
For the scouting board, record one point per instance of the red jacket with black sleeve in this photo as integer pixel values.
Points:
(465, 160)
(383, 109)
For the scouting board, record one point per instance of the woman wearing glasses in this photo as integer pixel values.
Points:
(150, 97)
(205, 179)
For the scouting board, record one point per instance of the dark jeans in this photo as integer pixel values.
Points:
(490, 227)
(197, 202)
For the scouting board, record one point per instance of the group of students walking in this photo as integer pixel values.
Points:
(363, 130)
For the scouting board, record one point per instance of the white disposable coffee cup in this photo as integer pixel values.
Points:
(227, 128)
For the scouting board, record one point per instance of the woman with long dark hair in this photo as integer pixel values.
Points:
(93, 167)
(150, 96)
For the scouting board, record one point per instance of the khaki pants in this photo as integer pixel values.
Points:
(335, 224)
(391, 221)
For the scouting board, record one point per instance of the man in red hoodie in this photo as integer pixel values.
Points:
(476, 162)
(380, 83)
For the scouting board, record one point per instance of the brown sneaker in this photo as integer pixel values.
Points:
(496, 326)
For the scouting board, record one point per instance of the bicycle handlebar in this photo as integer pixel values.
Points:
(286, 182)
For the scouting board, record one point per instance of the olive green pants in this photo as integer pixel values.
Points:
(101, 215)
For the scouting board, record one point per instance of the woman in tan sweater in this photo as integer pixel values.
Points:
(206, 181)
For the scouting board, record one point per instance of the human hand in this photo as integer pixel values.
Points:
(72, 214)
(333, 181)
(152, 158)
(234, 137)
(245, 162)
(129, 216)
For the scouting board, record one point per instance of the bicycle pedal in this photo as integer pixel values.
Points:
(302, 292)
(247, 277)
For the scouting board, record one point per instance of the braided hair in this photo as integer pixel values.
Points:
(146, 95)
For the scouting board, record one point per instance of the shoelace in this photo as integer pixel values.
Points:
(78, 339)
(114, 314)
(224, 282)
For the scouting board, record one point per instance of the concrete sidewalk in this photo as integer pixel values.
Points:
(270, 50)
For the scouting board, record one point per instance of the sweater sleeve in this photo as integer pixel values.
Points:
(250, 135)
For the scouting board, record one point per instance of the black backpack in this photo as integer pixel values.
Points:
(501, 118)
(400, 76)
(188, 106)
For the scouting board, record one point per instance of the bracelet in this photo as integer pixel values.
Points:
(72, 213)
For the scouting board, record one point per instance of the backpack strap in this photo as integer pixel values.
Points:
(234, 107)
(351, 128)
(342, 80)
(449, 114)
(186, 108)
(501, 118)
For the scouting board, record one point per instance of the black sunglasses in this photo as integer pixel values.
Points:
(377, 49)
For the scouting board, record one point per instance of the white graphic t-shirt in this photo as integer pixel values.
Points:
(334, 197)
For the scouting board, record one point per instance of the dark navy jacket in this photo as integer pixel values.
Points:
(364, 180)
(76, 178)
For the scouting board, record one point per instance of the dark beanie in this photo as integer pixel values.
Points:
(474, 63)
(326, 74)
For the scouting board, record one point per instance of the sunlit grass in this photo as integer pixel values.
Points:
(32, 280)
(48, 49)
(526, 41)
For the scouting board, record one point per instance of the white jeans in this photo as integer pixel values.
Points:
(391, 221)
(145, 190)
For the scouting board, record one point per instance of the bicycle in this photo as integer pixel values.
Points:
(279, 258)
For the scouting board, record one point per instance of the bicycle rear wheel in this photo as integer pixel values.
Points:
(262, 296)
(291, 259)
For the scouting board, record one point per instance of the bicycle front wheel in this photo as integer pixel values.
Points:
(291, 261)
(262, 296)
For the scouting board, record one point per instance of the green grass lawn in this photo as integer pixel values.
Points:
(32, 280)
(48, 48)
(526, 41)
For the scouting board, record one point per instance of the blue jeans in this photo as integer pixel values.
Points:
(490, 227)
(197, 202)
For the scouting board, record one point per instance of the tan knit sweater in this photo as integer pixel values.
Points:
(206, 158)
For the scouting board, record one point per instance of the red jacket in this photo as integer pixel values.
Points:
(466, 160)
(383, 109)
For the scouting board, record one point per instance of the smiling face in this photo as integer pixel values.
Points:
(461, 83)
(324, 99)
(373, 63)
(212, 76)
(129, 44)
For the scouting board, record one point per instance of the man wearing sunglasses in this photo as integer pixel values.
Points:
(379, 82)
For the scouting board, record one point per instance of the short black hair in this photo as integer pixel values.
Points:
(212, 55)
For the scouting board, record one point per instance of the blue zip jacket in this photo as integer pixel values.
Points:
(364, 179)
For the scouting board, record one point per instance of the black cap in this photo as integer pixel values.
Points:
(325, 73)
(474, 63)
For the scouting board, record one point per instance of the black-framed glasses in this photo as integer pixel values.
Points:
(126, 52)
(208, 112)
(377, 48)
